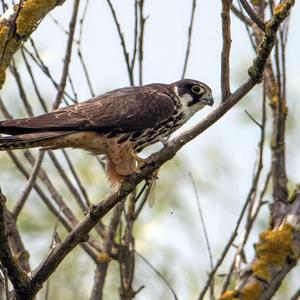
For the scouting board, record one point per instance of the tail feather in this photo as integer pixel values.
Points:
(47, 139)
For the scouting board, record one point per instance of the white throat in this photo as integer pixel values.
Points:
(185, 99)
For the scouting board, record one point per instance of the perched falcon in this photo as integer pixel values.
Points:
(118, 124)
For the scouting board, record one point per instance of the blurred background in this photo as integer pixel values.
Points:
(220, 161)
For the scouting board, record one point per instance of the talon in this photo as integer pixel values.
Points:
(140, 161)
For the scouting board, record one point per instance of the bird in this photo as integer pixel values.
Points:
(118, 124)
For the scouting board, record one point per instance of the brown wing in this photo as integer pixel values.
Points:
(126, 109)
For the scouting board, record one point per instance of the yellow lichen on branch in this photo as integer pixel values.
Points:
(274, 250)
(30, 14)
(16, 25)
(251, 291)
(267, 43)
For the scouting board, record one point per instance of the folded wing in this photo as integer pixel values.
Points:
(127, 109)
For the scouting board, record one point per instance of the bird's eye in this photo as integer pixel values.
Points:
(197, 89)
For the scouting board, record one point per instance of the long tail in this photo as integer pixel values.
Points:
(47, 139)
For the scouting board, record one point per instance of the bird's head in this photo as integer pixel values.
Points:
(193, 95)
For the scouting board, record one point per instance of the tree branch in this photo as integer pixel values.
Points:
(277, 253)
(68, 54)
(251, 13)
(17, 24)
(16, 274)
(96, 212)
(225, 72)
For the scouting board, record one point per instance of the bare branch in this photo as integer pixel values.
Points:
(34, 173)
(251, 13)
(210, 256)
(17, 276)
(225, 72)
(68, 54)
(165, 280)
(17, 24)
(123, 44)
(277, 253)
(188, 46)
(105, 256)
(240, 15)
(141, 40)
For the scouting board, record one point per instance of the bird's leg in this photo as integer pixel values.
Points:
(123, 158)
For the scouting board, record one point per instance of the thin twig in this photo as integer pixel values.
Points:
(188, 46)
(32, 178)
(239, 14)
(250, 198)
(165, 280)
(207, 243)
(248, 29)
(123, 44)
(251, 13)
(67, 57)
(135, 33)
(108, 243)
(141, 40)
(225, 56)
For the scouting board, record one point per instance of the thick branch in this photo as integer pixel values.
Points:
(17, 276)
(277, 253)
(269, 38)
(17, 24)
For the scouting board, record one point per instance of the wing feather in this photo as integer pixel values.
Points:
(127, 109)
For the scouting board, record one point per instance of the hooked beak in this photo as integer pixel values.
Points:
(208, 99)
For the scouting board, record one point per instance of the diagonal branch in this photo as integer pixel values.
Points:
(80, 232)
(252, 14)
(17, 24)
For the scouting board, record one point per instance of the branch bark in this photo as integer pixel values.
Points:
(277, 253)
(17, 24)
(225, 71)
(16, 274)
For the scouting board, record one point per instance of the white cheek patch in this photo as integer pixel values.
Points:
(186, 100)
(187, 108)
